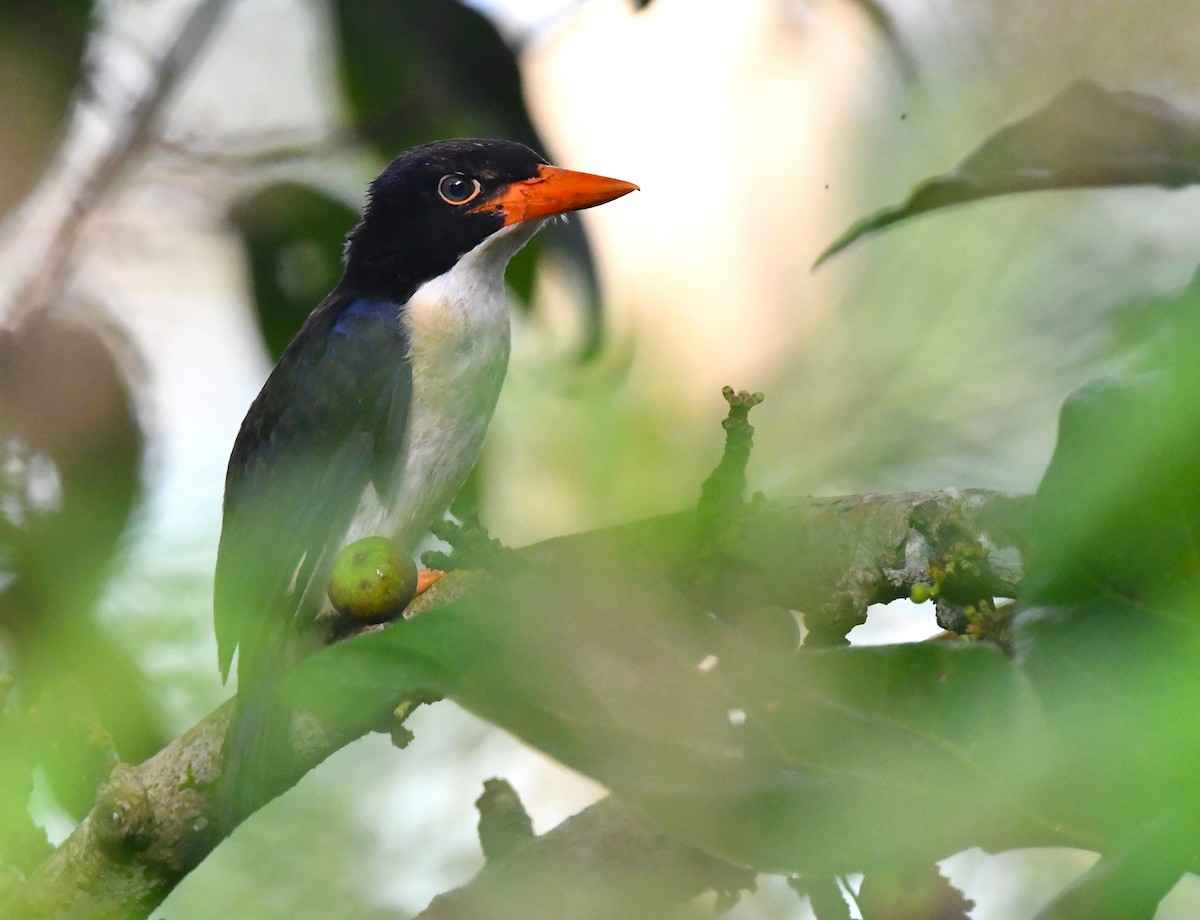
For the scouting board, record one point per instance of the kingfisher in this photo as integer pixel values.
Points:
(377, 409)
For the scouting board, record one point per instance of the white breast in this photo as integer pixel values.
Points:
(458, 330)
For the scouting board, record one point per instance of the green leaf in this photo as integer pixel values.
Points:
(294, 236)
(41, 60)
(1109, 630)
(1129, 883)
(71, 448)
(1118, 509)
(423, 69)
(812, 762)
(824, 896)
(1086, 137)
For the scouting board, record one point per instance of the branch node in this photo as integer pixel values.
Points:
(721, 495)
(400, 734)
(959, 576)
(122, 818)
(504, 824)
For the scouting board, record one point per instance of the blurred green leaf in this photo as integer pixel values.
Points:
(1128, 882)
(294, 236)
(1086, 137)
(1118, 509)
(22, 843)
(41, 63)
(418, 70)
(824, 896)
(72, 451)
(1116, 669)
(846, 759)
(809, 762)
(1109, 631)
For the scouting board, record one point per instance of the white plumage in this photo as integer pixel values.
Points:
(459, 334)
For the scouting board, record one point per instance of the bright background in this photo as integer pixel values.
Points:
(936, 355)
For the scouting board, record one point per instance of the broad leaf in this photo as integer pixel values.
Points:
(1086, 137)
(814, 762)
(41, 62)
(1109, 633)
(71, 450)
(293, 236)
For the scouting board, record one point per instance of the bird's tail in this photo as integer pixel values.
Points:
(257, 752)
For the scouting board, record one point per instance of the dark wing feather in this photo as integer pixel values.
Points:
(331, 415)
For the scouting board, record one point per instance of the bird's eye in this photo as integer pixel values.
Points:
(456, 189)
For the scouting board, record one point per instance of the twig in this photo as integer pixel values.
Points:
(722, 492)
(50, 272)
(504, 824)
(607, 861)
(156, 822)
(249, 150)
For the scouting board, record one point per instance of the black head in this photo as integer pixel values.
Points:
(421, 211)
(439, 201)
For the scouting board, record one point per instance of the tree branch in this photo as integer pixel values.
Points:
(48, 274)
(607, 861)
(828, 558)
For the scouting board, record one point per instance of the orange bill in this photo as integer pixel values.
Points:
(554, 191)
(427, 578)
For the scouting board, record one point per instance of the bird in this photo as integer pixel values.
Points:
(375, 413)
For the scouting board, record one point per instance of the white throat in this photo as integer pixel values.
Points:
(459, 338)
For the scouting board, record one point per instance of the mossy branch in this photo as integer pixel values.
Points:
(829, 558)
(723, 492)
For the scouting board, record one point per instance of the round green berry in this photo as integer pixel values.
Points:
(372, 580)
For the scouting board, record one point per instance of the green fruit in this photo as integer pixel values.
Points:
(372, 580)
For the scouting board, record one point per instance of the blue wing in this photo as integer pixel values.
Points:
(328, 423)
(330, 419)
